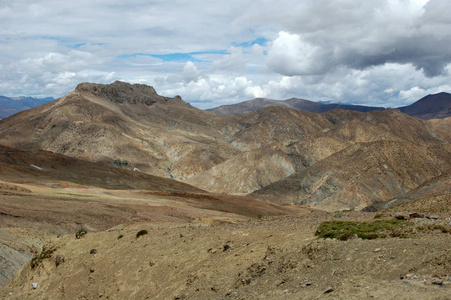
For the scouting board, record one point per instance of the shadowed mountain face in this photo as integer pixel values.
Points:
(43, 166)
(436, 106)
(340, 159)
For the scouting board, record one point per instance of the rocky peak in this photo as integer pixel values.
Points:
(123, 92)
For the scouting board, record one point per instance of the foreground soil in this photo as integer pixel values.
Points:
(266, 258)
(32, 212)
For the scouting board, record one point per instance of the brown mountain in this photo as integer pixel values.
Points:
(132, 127)
(124, 125)
(360, 175)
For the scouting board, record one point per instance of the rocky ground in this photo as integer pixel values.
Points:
(256, 258)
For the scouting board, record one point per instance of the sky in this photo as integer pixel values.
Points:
(375, 52)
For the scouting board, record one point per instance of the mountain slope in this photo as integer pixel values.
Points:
(436, 106)
(122, 124)
(360, 175)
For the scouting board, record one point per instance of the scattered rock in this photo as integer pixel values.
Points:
(93, 251)
(59, 259)
(377, 250)
(81, 233)
(432, 217)
(226, 247)
(410, 276)
(437, 281)
(401, 217)
(329, 290)
(415, 215)
(352, 237)
(34, 285)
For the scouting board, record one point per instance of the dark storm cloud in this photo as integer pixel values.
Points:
(362, 34)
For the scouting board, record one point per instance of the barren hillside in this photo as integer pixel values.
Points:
(134, 128)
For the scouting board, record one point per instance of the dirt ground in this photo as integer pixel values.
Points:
(34, 212)
(270, 258)
(204, 246)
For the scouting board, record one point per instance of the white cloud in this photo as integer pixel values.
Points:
(291, 55)
(412, 93)
(383, 52)
(190, 72)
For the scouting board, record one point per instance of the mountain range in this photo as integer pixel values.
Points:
(437, 106)
(10, 106)
(336, 160)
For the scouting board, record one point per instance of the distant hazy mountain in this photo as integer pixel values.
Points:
(292, 103)
(10, 106)
(436, 106)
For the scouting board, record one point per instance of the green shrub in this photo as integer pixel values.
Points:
(343, 230)
(141, 232)
(45, 253)
(81, 232)
(120, 163)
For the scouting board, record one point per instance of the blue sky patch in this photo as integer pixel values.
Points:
(176, 57)
(259, 41)
(76, 46)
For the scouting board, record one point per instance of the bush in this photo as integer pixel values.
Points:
(81, 232)
(45, 253)
(343, 230)
(120, 163)
(141, 232)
